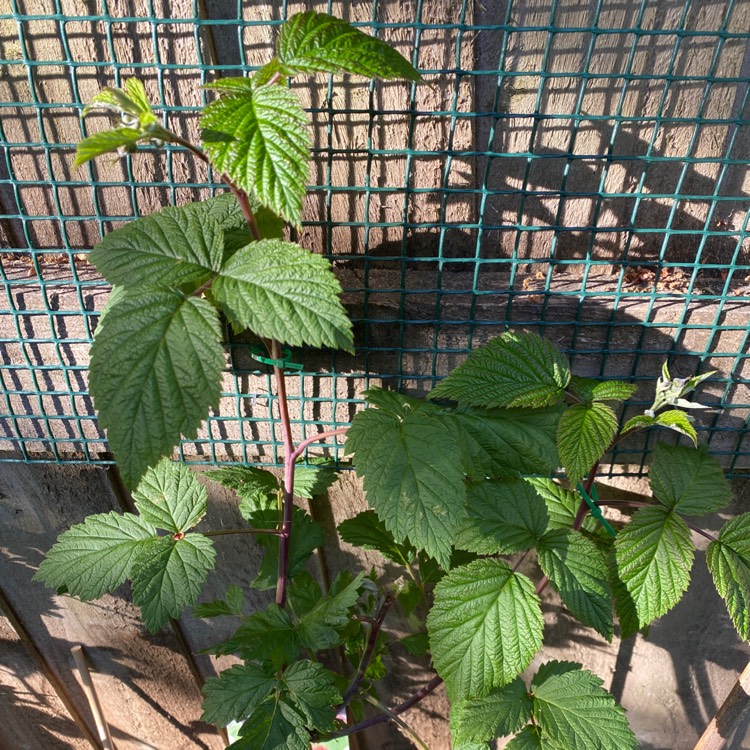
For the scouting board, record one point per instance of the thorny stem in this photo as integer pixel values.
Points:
(423, 692)
(288, 496)
(364, 662)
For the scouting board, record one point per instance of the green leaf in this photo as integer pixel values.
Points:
(310, 688)
(155, 371)
(515, 369)
(530, 739)
(318, 627)
(274, 725)
(307, 535)
(485, 627)
(265, 636)
(501, 712)
(507, 442)
(312, 481)
(584, 433)
(256, 488)
(105, 142)
(231, 605)
(577, 570)
(172, 247)
(687, 480)
(235, 693)
(416, 644)
(728, 559)
(366, 530)
(130, 100)
(589, 390)
(398, 404)
(168, 576)
(94, 557)
(572, 709)
(284, 292)
(562, 504)
(315, 42)
(411, 476)
(502, 518)
(672, 419)
(170, 497)
(259, 138)
(653, 557)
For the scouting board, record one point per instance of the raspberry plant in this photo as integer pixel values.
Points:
(460, 483)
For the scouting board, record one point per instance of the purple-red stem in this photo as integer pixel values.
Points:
(316, 439)
(434, 683)
(288, 493)
(364, 662)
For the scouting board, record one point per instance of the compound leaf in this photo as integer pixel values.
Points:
(170, 497)
(728, 559)
(501, 712)
(515, 369)
(502, 518)
(672, 419)
(236, 693)
(687, 480)
(584, 433)
(577, 569)
(411, 476)
(573, 710)
(653, 557)
(316, 42)
(177, 245)
(155, 371)
(368, 531)
(168, 576)
(530, 739)
(259, 138)
(485, 627)
(94, 557)
(310, 689)
(130, 100)
(282, 291)
(506, 442)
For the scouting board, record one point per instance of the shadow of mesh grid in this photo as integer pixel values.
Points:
(576, 169)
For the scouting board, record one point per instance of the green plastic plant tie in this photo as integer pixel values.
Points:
(595, 509)
(256, 352)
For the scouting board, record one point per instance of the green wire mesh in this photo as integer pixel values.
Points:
(578, 169)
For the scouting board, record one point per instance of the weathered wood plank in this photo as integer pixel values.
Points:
(31, 713)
